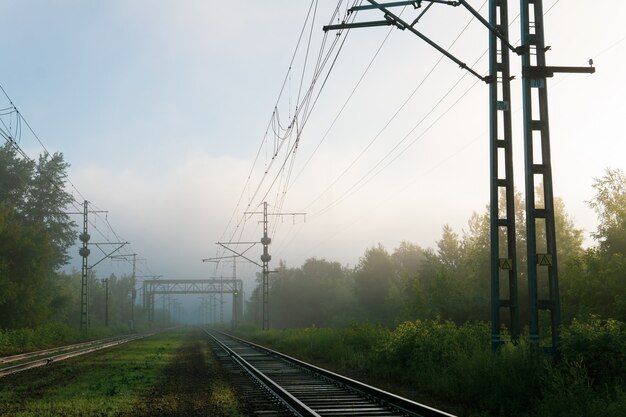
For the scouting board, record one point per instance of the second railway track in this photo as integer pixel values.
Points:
(10, 365)
(297, 388)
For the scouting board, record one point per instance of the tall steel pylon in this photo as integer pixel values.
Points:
(503, 254)
(538, 171)
(537, 163)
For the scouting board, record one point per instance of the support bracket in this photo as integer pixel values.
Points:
(547, 72)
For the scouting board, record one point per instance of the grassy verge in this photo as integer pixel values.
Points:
(49, 335)
(115, 382)
(455, 367)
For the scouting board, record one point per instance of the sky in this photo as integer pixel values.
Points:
(162, 107)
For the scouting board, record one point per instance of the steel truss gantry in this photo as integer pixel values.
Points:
(194, 286)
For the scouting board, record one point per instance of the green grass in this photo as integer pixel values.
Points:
(104, 383)
(14, 341)
(127, 380)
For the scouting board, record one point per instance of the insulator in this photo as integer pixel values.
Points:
(84, 252)
(84, 237)
(266, 257)
(266, 240)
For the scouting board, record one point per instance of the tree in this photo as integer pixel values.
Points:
(408, 258)
(610, 205)
(47, 202)
(25, 257)
(406, 295)
(373, 279)
(317, 293)
(596, 280)
(34, 236)
(15, 178)
(449, 249)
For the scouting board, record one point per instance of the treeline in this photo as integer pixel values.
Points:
(452, 280)
(35, 235)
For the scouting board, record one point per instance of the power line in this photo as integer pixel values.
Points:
(13, 140)
(304, 109)
(393, 117)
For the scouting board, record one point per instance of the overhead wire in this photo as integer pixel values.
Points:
(274, 116)
(14, 142)
(352, 189)
(236, 209)
(303, 108)
(394, 116)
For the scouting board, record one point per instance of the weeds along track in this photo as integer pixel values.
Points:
(278, 385)
(10, 365)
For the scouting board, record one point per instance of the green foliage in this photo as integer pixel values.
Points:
(455, 365)
(318, 293)
(373, 278)
(595, 283)
(599, 346)
(610, 205)
(34, 236)
(107, 383)
(25, 259)
(13, 341)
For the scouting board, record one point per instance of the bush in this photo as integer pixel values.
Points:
(455, 364)
(599, 346)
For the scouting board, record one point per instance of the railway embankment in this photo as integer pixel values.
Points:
(168, 374)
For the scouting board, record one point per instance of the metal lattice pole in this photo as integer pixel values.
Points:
(538, 170)
(84, 253)
(265, 258)
(503, 256)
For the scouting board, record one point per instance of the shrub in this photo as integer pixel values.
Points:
(600, 346)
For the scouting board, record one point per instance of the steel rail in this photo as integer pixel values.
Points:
(58, 354)
(403, 405)
(291, 402)
(34, 354)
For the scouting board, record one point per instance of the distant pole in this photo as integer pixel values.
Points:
(169, 308)
(84, 253)
(164, 315)
(235, 318)
(265, 258)
(106, 302)
(221, 299)
(133, 295)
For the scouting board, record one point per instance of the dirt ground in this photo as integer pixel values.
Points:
(192, 384)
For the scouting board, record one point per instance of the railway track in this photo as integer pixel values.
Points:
(292, 387)
(10, 365)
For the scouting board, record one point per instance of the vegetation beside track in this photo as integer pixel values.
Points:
(440, 363)
(128, 380)
(49, 335)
